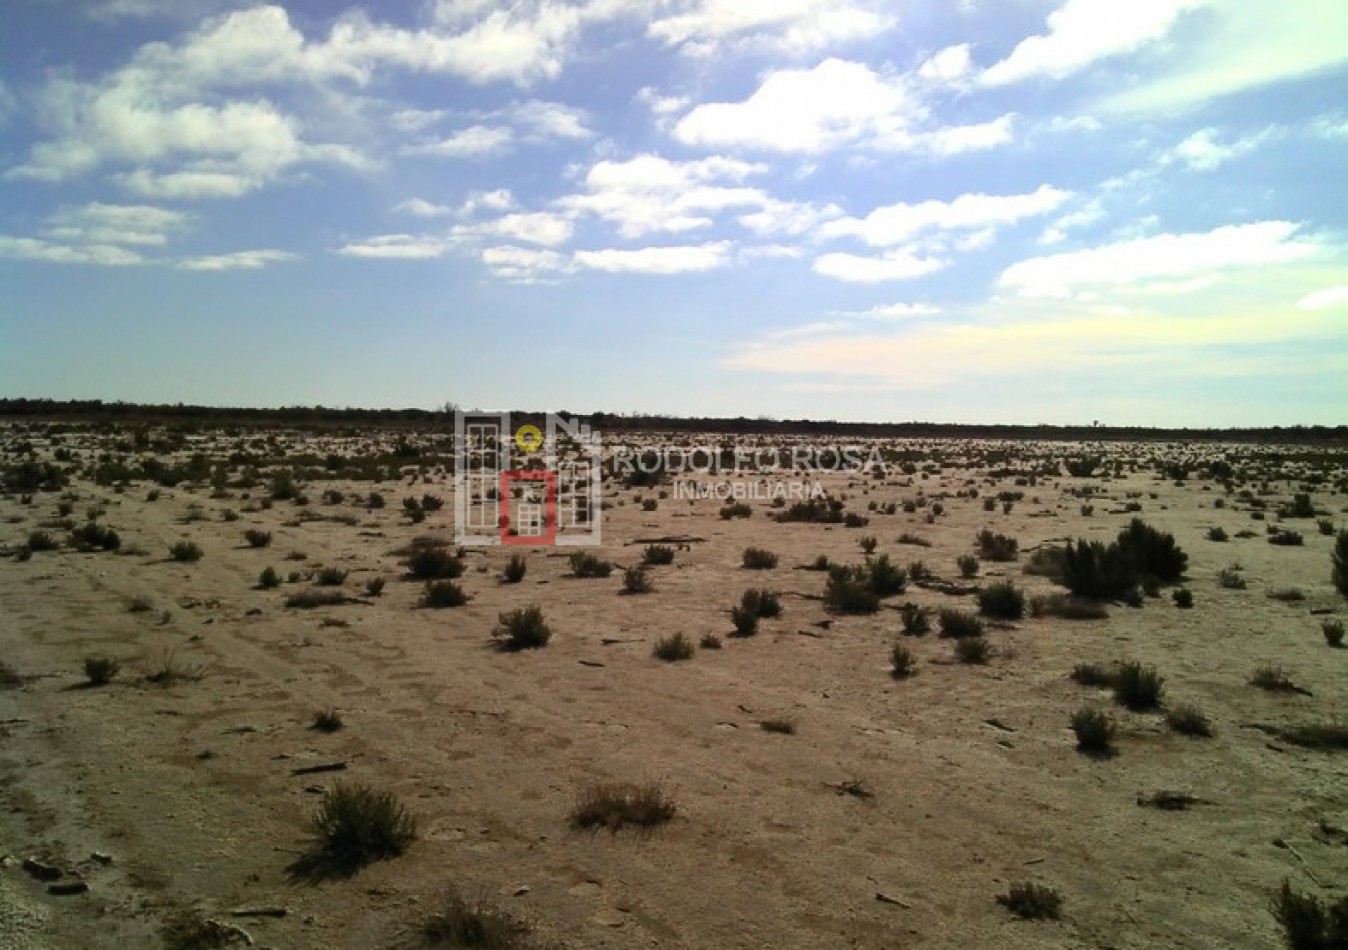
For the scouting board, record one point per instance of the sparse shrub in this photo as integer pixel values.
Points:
(268, 578)
(1273, 678)
(1002, 601)
(1286, 538)
(820, 563)
(522, 629)
(356, 825)
(515, 569)
(101, 670)
(434, 563)
(637, 581)
(1231, 579)
(745, 620)
(438, 595)
(656, 555)
(1093, 674)
(854, 520)
(972, 650)
(474, 925)
(649, 504)
(916, 620)
(330, 577)
(1333, 631)
(41, 541)
(765, 603)
(616, 806)
(9, 677)
(327, 720)
(868, 544)
(139, 604)
(673, 648)
(884, 577)
(1184, 598)
(738, 509)
(169, 672)
(1306, 923)
(1067, 607)
(780, 726)
(902, 661)
(1032, 902)
(1094, 730)
(1339, 560)
(374, 587)
(996, 547)
(1325, 526)
(1046, 561)
(374, 500)
(432, 503)
(256, 538)
(92, 536)
(310, 599)
(186, 551)
(1217, 534)
(1324, 736)
(848, 591)
(585, 564)
(968, 565)
(1138, 687)
(759, 559)
(710, 641)
(1151, 552)
(914, 540)
(1288, 595)
(1189, 721)
(958, 623)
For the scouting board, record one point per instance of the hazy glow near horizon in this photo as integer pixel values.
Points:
(1054, 212)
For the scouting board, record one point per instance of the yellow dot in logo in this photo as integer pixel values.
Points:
(528, 438)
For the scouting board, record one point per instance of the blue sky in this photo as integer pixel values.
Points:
(1017, 211)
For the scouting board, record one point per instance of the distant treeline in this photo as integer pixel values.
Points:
(96, 410)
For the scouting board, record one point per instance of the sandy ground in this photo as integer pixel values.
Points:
(189, 791)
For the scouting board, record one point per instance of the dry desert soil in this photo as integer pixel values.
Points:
(894, 814)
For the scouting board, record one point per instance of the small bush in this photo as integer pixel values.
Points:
(1286, 538)
(330, 577)
(186, 551)
(1288, 595)
(1032, 902)
(916, 620)
(523, 629)
(1137, 687)
(673, 648)
(256, 538)
(1306, 923)
(374, 500)
(1325, 736)
(902, 662)
(958, 623)
(780, 726)
(765, 603)
(996, 547)
(868, 544)
(1274, 679)
(885, 578)
(1325, 527)
(1002, 601)
(968, 565)
(101, 670)
(758, 559)
(1189, 721)
(1093, 674)
(617, 806)
(434, 563)
(1067, 607)
(1339, 562)
(1231, 579)
(914, 539)
(736, 510)
(268, 578)
(438, 595)
(1094, 730)
(374, 587)
(92, 536)
(515, 569)
(356, 825)
(139, 604)
(310, 599)
(656, 555)
(474, 924)
(585, 564)
(710, 641)
(41, 541)
(327, 720)
(1184, 598)
(1217, 534)
(848, 591)
(1333, 631)
(169, 672)
(972, 650)
(1046, 561)
(637, 581)
(745, 620)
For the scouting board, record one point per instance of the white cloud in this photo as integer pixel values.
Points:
(894, 311)
(525, 265)
(99, 223)
(414, 120)
(1081, 32)
(538, 227)
(545, 121)
(237, 260)
(900, 264)
(188, 184)
(1174, 260)
(397, 247)
(707, 27)
(422, 208)
(1325, 298)
(1202, 151)
(32, 249)
(658, 260)
(788, 217)
(947, 66)
(899, 223)
(476, 141)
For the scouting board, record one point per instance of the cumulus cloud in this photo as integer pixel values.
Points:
(898, 264)
(396, 247)
(706, 28)
(33, 249)
(99, 223)
(973, 213)
(237, 260)
(658, 260)
(1204, 151)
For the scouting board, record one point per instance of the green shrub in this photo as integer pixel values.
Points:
(515, 569)
(884, 577)
(585, 564)
(1093, 674)
(916, 620)
(616, 806)
(637, 581)
(958, 623)
(1326, 527)
(1184, 598)
(1333, 631)
(996, 547)
(101, 670)
(473, 924)
(736, 510)
(434, 563)
(256, 538)
(745, 620)
(330, 577)
(92, 536)
(310, 599)
(522, 629)
(1032, 902)
(268, 578)
(1272, 678)
(356, 825)
(656, 555)
(1306, 923)
(374, 587)
(973, 650)
(759, 559)
(673, 648)
(1002, 601)
(868, 544)
(968, 565)
(1286, 538)
(1217, 534)
(902, 662)
(848, 591)
(1189, 721)
(1138, 687)
(765, 603)
(438, 595)
(710, 641)
(1067, 607)
(41, 541)
(1094, 730)
(1231, 579)
(185, 551)
(1151, 552)
(1339, 561)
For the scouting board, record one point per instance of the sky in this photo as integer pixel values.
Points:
(1020, 211)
